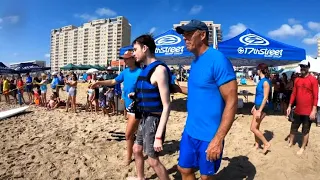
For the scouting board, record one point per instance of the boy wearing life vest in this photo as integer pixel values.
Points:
(152, 96)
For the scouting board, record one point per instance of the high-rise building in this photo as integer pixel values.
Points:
(95, 42)
(211, 25)
(318, 47)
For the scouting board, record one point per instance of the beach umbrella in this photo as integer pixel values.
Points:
(70, 67)
(92, 71)
(30, 67)
(5, 70)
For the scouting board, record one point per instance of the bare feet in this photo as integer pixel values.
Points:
(300, 152)
(266, 148)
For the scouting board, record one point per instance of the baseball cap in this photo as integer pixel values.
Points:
(54, 73)
(305, 63)
(109, 68)
(192, 26)
(127, 54)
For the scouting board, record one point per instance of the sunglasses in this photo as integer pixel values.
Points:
(304, 66)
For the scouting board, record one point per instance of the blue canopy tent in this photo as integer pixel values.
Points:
(30, 67)
(5, 70)
(250, 48)
(170, 49)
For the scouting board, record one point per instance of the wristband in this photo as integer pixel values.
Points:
(159, 138)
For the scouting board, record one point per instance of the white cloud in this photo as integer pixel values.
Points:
(314, 25)
(312, 40)
(105, 12)
(86, 16)
(293, 21)
(195, 9)
(152, 30)
(12, 19)
(235, 30)
(286, 30)
(47, 55)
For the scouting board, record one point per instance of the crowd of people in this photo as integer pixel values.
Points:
(212, 102)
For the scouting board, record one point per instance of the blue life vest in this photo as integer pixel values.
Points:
(147, 95)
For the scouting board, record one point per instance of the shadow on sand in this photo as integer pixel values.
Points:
(238, 168)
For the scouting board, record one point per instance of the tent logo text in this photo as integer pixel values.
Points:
(167, 40)
(253, 40)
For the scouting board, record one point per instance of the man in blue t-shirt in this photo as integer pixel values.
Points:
(212, 104)
(128, 77)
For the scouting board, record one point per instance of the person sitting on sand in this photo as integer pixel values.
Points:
(261, 103)
(54, 102)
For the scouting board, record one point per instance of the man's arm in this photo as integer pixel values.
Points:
(160, 75)
(229, 92)
(315, 92)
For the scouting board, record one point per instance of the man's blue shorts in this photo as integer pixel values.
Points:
(193, 155)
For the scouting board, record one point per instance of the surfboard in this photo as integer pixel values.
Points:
(12, 112)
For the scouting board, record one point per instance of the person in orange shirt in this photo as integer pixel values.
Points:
(20, 86)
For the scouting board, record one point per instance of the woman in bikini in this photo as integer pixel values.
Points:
(72, 94)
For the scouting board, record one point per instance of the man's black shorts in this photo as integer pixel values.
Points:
(298, 120)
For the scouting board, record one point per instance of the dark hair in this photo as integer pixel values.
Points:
(264, 69)
(74, 76)
(146, 40)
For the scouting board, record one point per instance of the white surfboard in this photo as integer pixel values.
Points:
(12, 112)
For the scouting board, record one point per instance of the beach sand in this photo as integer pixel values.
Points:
(54, 144)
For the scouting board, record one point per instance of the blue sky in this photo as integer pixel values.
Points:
(25, 25)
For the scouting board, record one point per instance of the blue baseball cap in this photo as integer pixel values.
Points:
(192, 26)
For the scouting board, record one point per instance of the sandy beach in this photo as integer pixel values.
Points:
(54, 144)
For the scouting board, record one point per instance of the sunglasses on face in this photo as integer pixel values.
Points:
(304, 66)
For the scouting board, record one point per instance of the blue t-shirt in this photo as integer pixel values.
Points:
(260, 91)
(29, 79)
(205, 103)
(55, 82)
(173, 79)
(129, 79)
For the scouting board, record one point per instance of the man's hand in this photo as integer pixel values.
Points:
(253, 109)
(257, 114)
(288, 111)
(214, 149)
(157, 145)
(313, 115)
